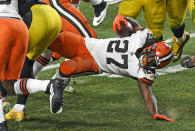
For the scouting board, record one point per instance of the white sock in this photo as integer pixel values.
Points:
(180, 40)
(2, 118)
(31, 86)
(37, 66)
(95, 2)
(19, 107)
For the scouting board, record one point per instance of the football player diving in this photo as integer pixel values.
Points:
(133, 56)
(136, 56)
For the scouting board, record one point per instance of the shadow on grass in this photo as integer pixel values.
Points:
(61, 124)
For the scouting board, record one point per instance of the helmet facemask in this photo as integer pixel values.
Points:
(148, 59)
(155, 56)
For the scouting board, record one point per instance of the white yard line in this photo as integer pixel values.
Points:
(172, 69)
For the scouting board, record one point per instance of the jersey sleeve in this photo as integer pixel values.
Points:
(146, 77)
(147, 81)
(145, 36)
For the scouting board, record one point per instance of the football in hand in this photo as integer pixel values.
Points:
(125, 30)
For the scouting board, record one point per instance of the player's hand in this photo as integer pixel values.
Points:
(162, 117)
(119, 23)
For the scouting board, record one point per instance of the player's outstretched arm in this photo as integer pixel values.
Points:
(150, 100)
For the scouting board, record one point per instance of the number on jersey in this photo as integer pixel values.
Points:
(116, 47)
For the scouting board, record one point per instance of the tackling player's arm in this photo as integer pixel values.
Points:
(150, 100)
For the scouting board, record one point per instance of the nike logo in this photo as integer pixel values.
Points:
(157, 1)
(100, 18)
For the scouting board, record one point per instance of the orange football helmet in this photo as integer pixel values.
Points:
(156, 56)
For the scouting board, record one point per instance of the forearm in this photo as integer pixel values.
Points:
(149, 98)
(151, 103)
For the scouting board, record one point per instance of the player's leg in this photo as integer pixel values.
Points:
(73, 21)
(154, 13)
(27, 72)
(6, 104)
(42, 16)
(176, 14)
(130, 8)
(42, 61)
(155, 16)
(100, 9)
(78, 66)
(16, 55)
(15, 47)
(72, 46)
(191, 6)
(189, 62)
(48, 22)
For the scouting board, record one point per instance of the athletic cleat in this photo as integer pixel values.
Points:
(15, 115)
(187, 62)
(3, 126)
(69, 89)
(178, 47)
(6, 106)
(55, 89)
(99, 13)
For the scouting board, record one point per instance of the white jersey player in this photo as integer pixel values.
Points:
(134, 56)
(118, 56)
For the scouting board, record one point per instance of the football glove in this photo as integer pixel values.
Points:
(162, 117)
(119, 23)
(187, 62)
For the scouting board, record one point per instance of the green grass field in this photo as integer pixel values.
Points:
(114, 104)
